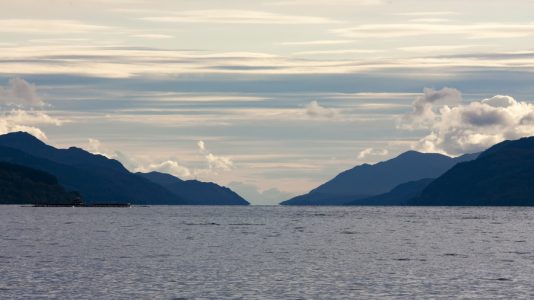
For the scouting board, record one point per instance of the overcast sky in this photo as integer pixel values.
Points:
(270, 97)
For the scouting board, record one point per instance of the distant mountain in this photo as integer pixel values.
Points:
(97, 178)
(501, 175)
(197, 192)
(400, 195)
(369, 180)
(320, 199)
(23, 185)
(72, 156)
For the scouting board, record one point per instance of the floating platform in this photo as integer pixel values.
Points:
(109, 205)
(83, 205)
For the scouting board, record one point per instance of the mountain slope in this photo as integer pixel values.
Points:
(197, 192)
(72, 156)
(400, 195)
(368, 180)
(23, 185)
(502, 175)
(97, 178)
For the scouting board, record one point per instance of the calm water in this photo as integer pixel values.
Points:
(266, 252)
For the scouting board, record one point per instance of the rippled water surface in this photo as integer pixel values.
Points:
(266, 252)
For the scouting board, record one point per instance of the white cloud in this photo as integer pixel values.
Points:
(97, 147)
(168, 166)
(153, 36)
(6, 127)
(423, 113)
(473, 127)
(21, 120)
(171, 166)
(23, 95)
(46, 26)
(318, 42)
(219, 162)
(215, 162)
(233, 16)
(372, 152)
(437, 48)
(20, 92)
(112, 62)
(427, 13)
(201, 146)
(123, 62)
(338, 51)
(430, 20)
(473, 30)
(326, 3)
(30, 117)
(315, 110)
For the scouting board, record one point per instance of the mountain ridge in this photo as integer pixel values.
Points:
(501, 175)
(97, 178)
(201, 193)
(367, 180)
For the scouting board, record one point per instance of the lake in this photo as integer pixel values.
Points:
(187, 252)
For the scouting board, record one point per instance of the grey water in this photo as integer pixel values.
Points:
(187, 252)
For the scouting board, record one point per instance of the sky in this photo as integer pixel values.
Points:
(268, 97)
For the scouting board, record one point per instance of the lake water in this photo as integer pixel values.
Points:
(266, 252)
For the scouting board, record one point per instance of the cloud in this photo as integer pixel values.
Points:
(338, 51)
(168, 166)
(130, 62)
(232, 16)
(20, 92)
(124, 62)
(97, 147)
(21, 120)
(315, 110)
(473, 30)
(437, 48)
(430, 20)
(6, 127)
(153, 36)
(372, 152)
(215, 162)
(201, 146)
(473, 127)
(325, 3)
(219, 162)
(423, 107)
(317, 42)
(171, 166)
(94, 146)
(23, 95)
(252, 193)
(427, 13)
(19, 116)
(46, 26)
